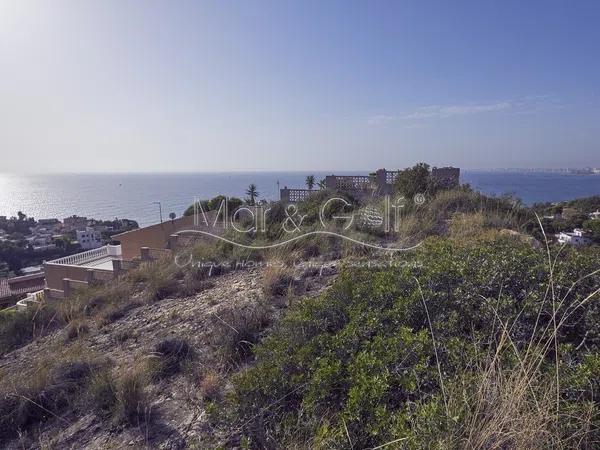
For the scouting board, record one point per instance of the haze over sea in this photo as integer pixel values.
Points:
(106, 196)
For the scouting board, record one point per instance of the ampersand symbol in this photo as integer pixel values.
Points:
(291, 211)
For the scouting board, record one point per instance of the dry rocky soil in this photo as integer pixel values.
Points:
(181, 419)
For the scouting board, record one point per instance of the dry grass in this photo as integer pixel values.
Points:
(77, 328)
(195, 280)
(102, 393)
(163, 280)
(466, 225)
(410, 230)
(45, 391)
(168, 358)
(237, 330)
(94, 300)
(277, 279)
(511, 410)
(132, 404)
(508, 402)
(19, 327)
(211, 386)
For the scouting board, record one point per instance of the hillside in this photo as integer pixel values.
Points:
(124, 342)
(480, 337)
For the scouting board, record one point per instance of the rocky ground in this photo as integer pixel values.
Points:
(177, 405)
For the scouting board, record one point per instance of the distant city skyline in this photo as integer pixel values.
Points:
(144, 86)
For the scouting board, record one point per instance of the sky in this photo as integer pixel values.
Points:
(138, 86)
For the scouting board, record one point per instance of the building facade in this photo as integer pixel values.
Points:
(89, 238)
(377, 184)
(576, 238)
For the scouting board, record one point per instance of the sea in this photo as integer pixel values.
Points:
(135, 195)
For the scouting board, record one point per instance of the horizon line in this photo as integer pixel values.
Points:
(293, 171)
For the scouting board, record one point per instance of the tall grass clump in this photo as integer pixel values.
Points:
(132, 403)
(277, 279)
(17, 328)
(237, 330)
(44, 391)
(168, 357)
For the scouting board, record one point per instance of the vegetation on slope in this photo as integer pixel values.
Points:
(475, 340)
(475, 345)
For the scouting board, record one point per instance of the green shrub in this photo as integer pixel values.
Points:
(359, 364)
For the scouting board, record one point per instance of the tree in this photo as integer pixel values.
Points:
(310, 182)
(21, 216)
(414, 180)
(321, 184)
(197, 207)
(252, 194)
(233, 204)
(215, 202)
(593, 226)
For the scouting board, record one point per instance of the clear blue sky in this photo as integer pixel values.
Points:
(310, 85)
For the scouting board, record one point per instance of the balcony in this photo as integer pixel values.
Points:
(98, 258)
(79, 270)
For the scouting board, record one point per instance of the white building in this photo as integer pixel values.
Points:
(89, 238)
(595, 215)
(577, 237)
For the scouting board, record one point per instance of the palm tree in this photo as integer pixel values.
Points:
(310, 182)
(321, 183)
(252, 193)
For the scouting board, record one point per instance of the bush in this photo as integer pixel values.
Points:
(368, 363)
(414, 180)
